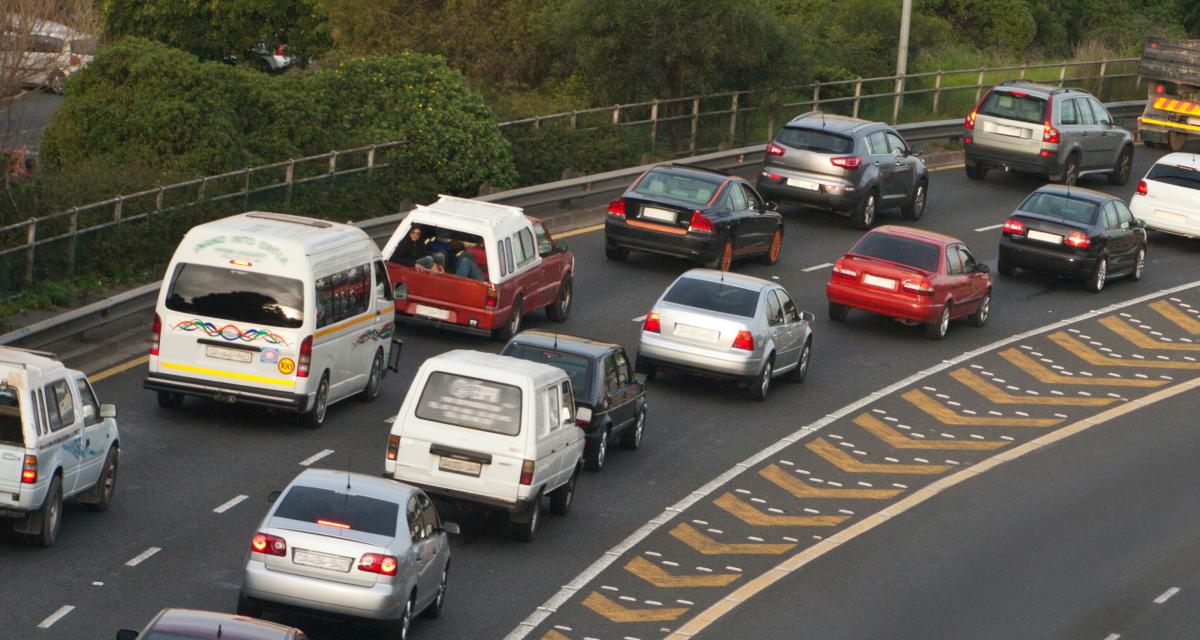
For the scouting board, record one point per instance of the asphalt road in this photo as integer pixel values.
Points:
(22, 121)
(177, 467)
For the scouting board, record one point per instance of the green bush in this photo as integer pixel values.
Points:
(541, 154)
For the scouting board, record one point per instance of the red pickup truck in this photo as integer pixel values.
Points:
(477, 267)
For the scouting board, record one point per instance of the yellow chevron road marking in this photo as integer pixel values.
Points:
(1091, 356)
(802, 489)
(897, 440)
(554, 635)
(1048, 376)
(997, 395)
(658, 577)
(692, 537)
(1141, 340)
(620, 613)
(1172, 313)
(751, 515)
(945, 415)
(849, 464)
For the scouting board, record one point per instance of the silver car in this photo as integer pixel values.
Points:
(350, 545)
(726, 325)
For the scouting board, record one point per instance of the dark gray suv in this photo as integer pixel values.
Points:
(1058, 132)
(850, 166)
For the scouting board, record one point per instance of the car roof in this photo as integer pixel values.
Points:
(207, 624)
(831, 122)
(361, 484)
(734, 279)
(1035, 87)
(286, 231)
(916, 234)
(490, 366)
(711, 175)
(466, 210)
(1076, 193)
(38, 364)
(564, 343)
(1180, 159)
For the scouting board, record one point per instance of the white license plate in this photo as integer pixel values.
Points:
(432, 312)
(1042, 236)
(233, 355)
(876, 281)
(322, 560)
(1005, 130)
(465, 467)
(803, 184)
(1167, 215)
(662, 215)
(696, 333)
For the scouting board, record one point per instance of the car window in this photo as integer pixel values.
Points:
(341, 509)
(954, 265)
(774, 309)
(342, 295)
(790, 314)
(693, 190)
(612, 382)
(1178, 175)
(553, 407)
(754, 202)
(568, 400)
(968, 260)
(623, 375)
(1013, 106)
(713, 296)
(1085, 112)
(1123, 214)
(10, 416)
(500, 257)
(1099, 111)
(1068, 114)
(877, 143)
(508, 254)
(1110, 216)
(430, 520)
(236, 295)
(1060, 206)
(60, 405)
(88, 403)
(895, 144)
(383, 284)
(575, 366)
(413, 514)
(814, 140)
(900, 250)
(471, 403)
(544, 246)
(737, 198)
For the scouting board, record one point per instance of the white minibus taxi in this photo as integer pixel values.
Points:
(274, 310)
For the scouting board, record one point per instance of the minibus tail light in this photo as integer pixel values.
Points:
(29, 470)
(492, 299)
(305, 358)
(393, 447)
(527, 472)
(155, 335)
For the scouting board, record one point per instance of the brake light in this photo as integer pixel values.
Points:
(744, 340)
(1079, 240)
(1158, 88)
(331, 523)
(617, 208)
(847, 162)
(393, 447)
(771, 176)
(305, 360)
(774, 150)
(378, 563)
(1049, 133)
(493, 297)
(701, 223)
(1019, 94)
(652, 323)
(29, 470)
(969, 123)
(1142, 188)
(268, 544)
(919, 287)
(1014, 226)
(155, 335)
(527, 472)
(842, 270)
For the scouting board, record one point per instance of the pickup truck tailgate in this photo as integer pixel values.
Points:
(430, 294)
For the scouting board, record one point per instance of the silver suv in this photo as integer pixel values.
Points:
(1061, 133)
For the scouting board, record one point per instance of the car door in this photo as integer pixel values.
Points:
(612, 388)
(1115, 238)
(795, 325)
(627, 391)
(573, 436)
(550, 438)
(1088, 135)
(1110, 137)
(977, 282)
(1070, 126)
(66, 429)
(96, 435)
(786, 351)
(422, 553)
(905, 175)
(1131, 234)
(735, 207)
(551, 271)
(956, 282)
(885, 165)
(434, 543)
(527, 278)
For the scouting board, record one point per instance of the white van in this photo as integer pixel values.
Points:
(275, 310)
(56, 442)
(489, 430)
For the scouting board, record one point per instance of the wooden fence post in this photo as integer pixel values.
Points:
(695, 124)
(937, 90)
(537, 122)
(857, 95)
(574, 118)
(290, 178)
(371, 159)
(31, 243)
(1024, 67)
(73, 247)
(733, 106)
(203, 185)
(158, 198)
(118, 209)
(816, 100)
(979, 86)
(616, 119)
(1103, 72)
(246, 189)
(653, 125)
(1062, 74)
(333, 163)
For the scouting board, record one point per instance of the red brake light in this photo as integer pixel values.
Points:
(1014, 226)
(1142, 189)
(617, 208)
(492, 299)
(919, 287)
(1158, 88)
(1079, 240)
(393, 447)
(1049, 133)
(527, 472)
(772, 176)
(378, 563)
(1019, 94)
(331, 523)
(774, 150)
(268, 544)
(841, 270)
(700, 222)
(156, 334)
(305, 360)
(847, 162)
(969, 123)
(744, 340)
(652, 323)
(29, 470)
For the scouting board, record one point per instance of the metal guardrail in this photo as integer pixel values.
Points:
(550, 201)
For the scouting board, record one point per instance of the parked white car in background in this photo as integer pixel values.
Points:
(1168, 198)
(52, 53)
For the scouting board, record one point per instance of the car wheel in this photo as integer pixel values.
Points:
(563, 497)
(1124, 166)
(980, 317)
(374, 380)
(561, 309)
(613, 252)
(1095, 284)
(772, 254)
(1070, 172)
(864, 215)
(1139, 265)
(838, 312)
(1176, 140)
(315, 417)
(976, 170)
(170, 400)
(106, 486)
(246, 607)
(761, 387)
(513, 325)
(405, 621)
(51, 514)
(801, 371)
(594, 457)
(725, 260)
(648, 370)
(526, 531)
(916, 206)
(434, 610)
(937, 329)
(632, 438)
(1005, 267)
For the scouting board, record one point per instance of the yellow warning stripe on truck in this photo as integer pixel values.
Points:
(1168, 123)
(1177, 106)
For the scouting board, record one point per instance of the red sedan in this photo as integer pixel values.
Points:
(915, 276)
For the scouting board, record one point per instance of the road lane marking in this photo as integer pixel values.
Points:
(142, 557)
(1113, 636)
(703, 544)
(658, 577)
(990, 227)
(996, 395)
(620, 613)
(896, 440)
(918, 399)
(818, 267)
(1091, 356)
(56, 616)
(580, 231)
(233, 502)
(1046, 376)
(1166, 595)
(1141, 340)
(752, 516)
(639, 318)
(843, 461)
(317, 456)
(802, 489)
(121, 368)
(1172, 313)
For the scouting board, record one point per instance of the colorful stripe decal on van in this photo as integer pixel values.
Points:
(229, 332)
(227, 374)
(346, 324)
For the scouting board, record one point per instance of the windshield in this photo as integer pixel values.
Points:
(357, 513)
(900, 250)
(1014, 106)
(690, 189)
(575, 366)
(1179, 176)
(10, 416)
(714, 296)
(814, 140)
(1058, 206)
(237, 295)
(471, 403)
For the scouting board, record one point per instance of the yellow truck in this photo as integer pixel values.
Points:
(1172, 70)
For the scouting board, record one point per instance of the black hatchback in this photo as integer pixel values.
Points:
(609, 401)
(1073, 232)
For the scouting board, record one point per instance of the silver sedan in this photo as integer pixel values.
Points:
(350, 545)
(728, 326)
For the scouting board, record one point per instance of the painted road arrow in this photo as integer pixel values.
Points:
(849, 464)
(620, 613)
(897, 440)
(751, 515)
(1047, 376)
(944, 415)
(692, 537)
(802, 489)
(996, 395)
(659, 577)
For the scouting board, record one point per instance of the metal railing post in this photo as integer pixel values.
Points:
(333, 163)
(979, 86)
(203, 185)
(290, 177)
(73, 247)
(118, 209)
(616, 114)
(733, 113)
(31, 242)
(899, 92)
(937, 90)
(158, 198)
(246, 189)
(1103, 72)
(574, 118)
(537, 122)
(653, 126)
(695, 124)
(816, 101)
(371, 159)
(857, 95)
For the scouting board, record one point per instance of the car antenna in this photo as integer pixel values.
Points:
(220, 632)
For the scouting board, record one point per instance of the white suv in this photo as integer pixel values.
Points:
(1168, 198)
(56, 442)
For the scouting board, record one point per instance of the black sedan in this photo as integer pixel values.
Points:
(609, 401)
(694, 213)
(1078, 233)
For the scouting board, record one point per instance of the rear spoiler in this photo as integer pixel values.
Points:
(899, 265)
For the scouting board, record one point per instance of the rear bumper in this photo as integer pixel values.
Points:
(1177, 223)
(474, 321)
(654, 350)
(883, 303)
(704, 248)
(997, 158)
(516, 506)
(225, 392)
(1027, 256)
(272, 588)
(833, 195)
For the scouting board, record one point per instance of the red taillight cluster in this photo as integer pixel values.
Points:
(393, 447)
(1049, 133)
(305, 360)
(1158, 88)
(268, 544)
(29, 470)
(847, 162)
(492, 299)
(969, 122)
(744, 340)
(378, 563)
(774, 150)
(617, 208)
(652, 324)
(919, 287)
(1014, 227)
(1142, 188)
(155, 335)
(701, 223)
(527, 472)
(842, 270)
(1078, 239)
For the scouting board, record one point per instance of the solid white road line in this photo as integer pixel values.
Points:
(311, 459)
(1166, 595)
(818, 267)
(56, 616)
(229, 505)
(142, 557)
(990, 227)
(1112, 636)
(639, 318)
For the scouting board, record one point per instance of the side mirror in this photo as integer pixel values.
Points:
(273, 496)
(772, 206)
(1139, 223)
(560, 247)
(127, 634)
(807, 316)
(641, 378)
(564, 415)
(401, 291)
(108, 411)
(394, 355)
(982, 268)
(451, 528)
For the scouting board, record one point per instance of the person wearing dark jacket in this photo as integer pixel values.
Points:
(411, 248)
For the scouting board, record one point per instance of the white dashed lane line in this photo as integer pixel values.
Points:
(1113, 636)
(233, 502)
(1166, 595)
(990, 227)
(142, 557)
(817, 267)
(56, 616)
(313, 458)
(639, 318)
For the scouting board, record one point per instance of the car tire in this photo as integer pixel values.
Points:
(761, 387)
(648, 370)
(563, 497)
(801, 371)
(938, 329)
(51, 515)
(772, 255)
(374, 379)
(1095, 284)
(527, 531)
(632, 437)
(401, 627)
(512, 326)
(916, 205)
(100, 497)
(1004, 267)
(863, 215)
(434, 610)
(724, 261)
(246, 607)
(1139, 265)
(981, 315)
(170, 400)
(315, 417)
(976, 170)
(561, 309)
(597, 451)
(838, 312)
(1070, 172)
(613, 252)
(1123, 168)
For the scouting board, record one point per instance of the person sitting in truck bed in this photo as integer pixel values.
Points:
(443, 243)
(466, 262)
(413, 247)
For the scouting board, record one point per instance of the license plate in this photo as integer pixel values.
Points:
(876, 281)
(1042, 236)
(465, 467)
(803, 184)
(662, 215)
(1005, 130)
(1167, 215)
(696, 333)
(322, 560)
(432, 312)
(1195, 122)
(233, 355)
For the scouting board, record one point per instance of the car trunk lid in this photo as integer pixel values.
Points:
(699, 327)
(1011, 120)
(324, 551)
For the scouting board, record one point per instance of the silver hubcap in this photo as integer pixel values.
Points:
(919, 201)
(533, 520)
(637, 434)
(320, 408)
(1101, 273)
(566, 299)
(376, 374)
(54, 509)
(1126, 161)
(602, 448)
(944, 322)
(804, 360)
(869, 210)
(1141, 262)
(441, 597)
(1069, 176)
(984, 308)
(515, 322)
(110, 479)
(407, 619)
(766, 378)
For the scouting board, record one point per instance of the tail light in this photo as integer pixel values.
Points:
(969, 122)
(1079, 240)
(268, 544)
(1049, 133)
(583, 416)
(305, 358)
(1158, 88)
(527, 472)
(29, 470)
(700, 222)
(617, 208)
(1142, 188)
(771, 176)
(652, 324)
(1014, 227)
(393, 447)
(774, 150)
(842, 270)
(847, 162)
(744, 341)
(919, 287)
(155, 335)
(378, 563)
(492, 299)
